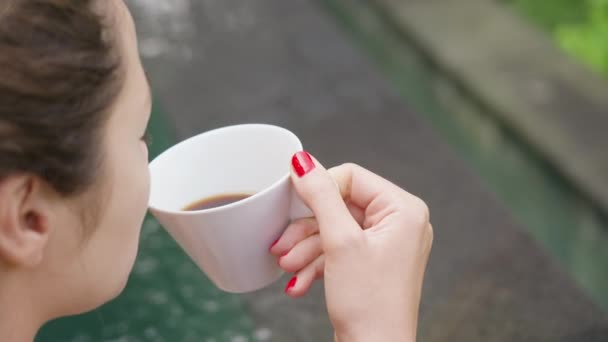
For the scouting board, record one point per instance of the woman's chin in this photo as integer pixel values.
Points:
(102, 293)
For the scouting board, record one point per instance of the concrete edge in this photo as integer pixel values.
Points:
(554, 104)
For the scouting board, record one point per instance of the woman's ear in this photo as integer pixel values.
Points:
(25, 211)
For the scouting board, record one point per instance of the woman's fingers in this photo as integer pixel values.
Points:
(297, 231)
(360, 186)
(300, 229)
(378, 197)
(302, 254)
(357, 213)
(317, 189)
(299, 285)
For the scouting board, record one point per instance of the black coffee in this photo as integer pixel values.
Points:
(215, 201)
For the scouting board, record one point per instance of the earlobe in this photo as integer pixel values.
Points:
(24, 221)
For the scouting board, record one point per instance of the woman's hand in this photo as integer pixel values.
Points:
(370, 240)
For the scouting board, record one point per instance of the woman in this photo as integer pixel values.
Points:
(74, 185)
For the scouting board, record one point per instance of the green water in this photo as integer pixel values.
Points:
(563, 221)
(167, 298)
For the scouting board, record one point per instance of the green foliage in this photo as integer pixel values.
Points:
(579, 26)
(589, 40)
(552, 13)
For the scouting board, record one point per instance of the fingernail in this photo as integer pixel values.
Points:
(302, 163)
(273, 244)
(291, 284)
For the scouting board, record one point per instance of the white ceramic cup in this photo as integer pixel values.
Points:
(229, 243)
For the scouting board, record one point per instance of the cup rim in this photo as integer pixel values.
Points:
(232, 205)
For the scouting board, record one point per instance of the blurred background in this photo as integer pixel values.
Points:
(494, 112)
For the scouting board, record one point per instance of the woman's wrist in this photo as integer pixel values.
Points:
(371, 332)
(391, 323)
(387, 335)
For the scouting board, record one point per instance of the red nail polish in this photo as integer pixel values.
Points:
(302, 163)
(274, 243)
(291, 284)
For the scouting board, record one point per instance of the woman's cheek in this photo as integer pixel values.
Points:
(144, 148)
(146, 171)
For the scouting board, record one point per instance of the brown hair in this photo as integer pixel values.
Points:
(58, 77)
